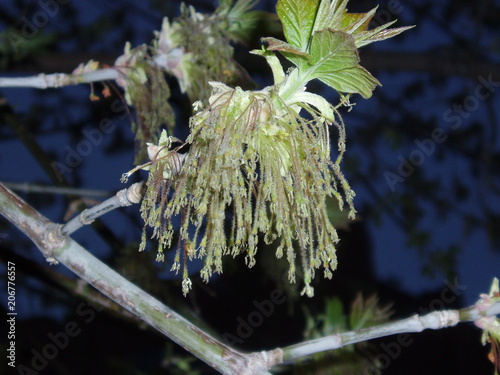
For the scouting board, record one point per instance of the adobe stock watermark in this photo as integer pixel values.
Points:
(392, 350)
(255, 319)
(453, 116)
(384, 16)
(31, 26)
(91, 138)
(57, 342)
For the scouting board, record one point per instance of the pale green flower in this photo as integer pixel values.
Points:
(491, 324)
(131, 65)
(252, 154)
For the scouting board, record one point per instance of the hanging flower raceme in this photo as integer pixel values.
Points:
(257, 166)
(255, 157)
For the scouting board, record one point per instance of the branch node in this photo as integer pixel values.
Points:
(440, 319)
(135, 192)
(52, 261)
(84, 219)
(131, 195)
(52, 239)
(266, 359)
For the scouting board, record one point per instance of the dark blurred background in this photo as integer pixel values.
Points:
(423, 156)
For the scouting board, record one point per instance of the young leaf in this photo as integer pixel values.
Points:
(283, 47)
(334, 15)
(378, 34)
(330, 14)
(353, 23)
(297, 17)
(238, 21)
(293, 54)
(355, 80)
(334, 60)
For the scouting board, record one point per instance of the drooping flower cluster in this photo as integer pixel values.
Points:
(254, 168)
(258, 165)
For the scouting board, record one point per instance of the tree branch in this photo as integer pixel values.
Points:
(44, 81)
(75, 287)
(57, 248)
(416, 323)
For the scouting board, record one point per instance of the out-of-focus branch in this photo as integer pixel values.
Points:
(45, 189)
(8, 116)
(39, 154)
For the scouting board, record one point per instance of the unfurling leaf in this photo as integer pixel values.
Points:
(322, 41)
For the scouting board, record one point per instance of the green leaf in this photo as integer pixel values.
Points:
(334, 15)
(378, 34)
(224, 5)
(240, 23)
(297, 17)
(330, 14)
(353, 23)
(333, 50)
(334, 60)
(355, 80)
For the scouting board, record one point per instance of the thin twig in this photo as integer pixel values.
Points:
(416, 323)
(123, 198)
(44, 189)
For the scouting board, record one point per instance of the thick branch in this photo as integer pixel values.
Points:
(34, 225)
